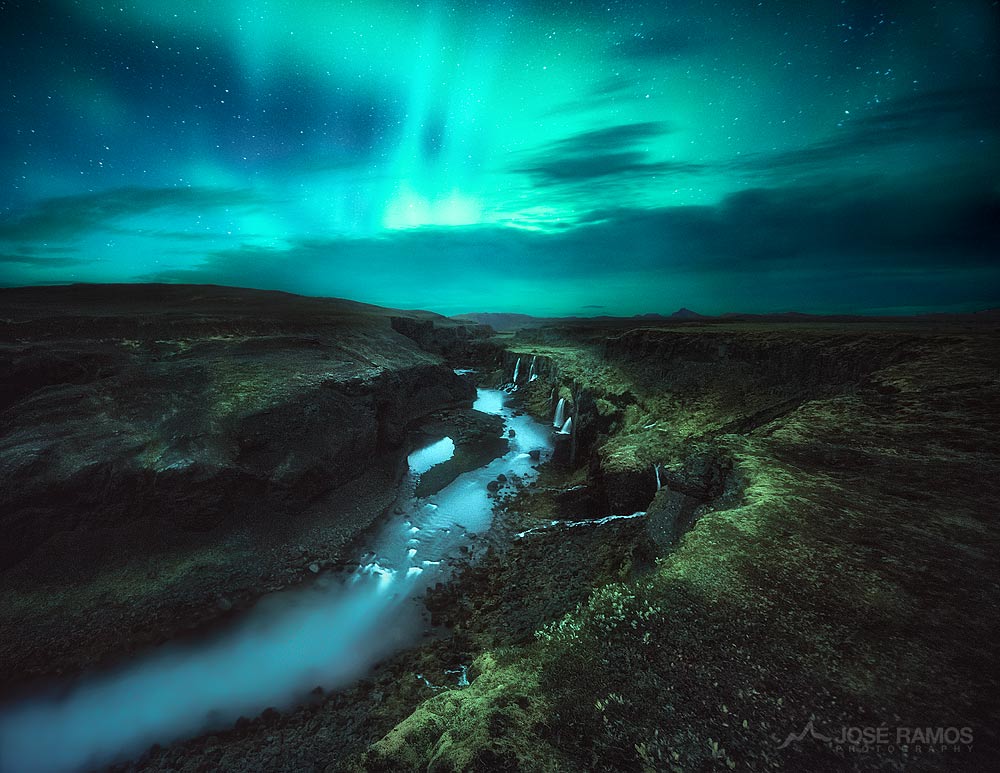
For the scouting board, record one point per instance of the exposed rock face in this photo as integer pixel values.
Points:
(157, 449)
(780, 361)
(576, 502)
(715, 380)
(138, 423)
(622, 491)
(702, 476)
(458, 342)
(704, 479)
(669, 515)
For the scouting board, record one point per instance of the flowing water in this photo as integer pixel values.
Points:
(328, 634)
(559, 418)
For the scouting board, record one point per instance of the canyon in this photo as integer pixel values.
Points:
(739, 525)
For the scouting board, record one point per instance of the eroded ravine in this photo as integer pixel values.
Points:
(327, 634)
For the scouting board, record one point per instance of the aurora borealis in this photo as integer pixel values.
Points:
(538, 157)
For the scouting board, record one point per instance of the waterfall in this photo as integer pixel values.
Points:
(567, 428)
(531, 371)
(656, 471)
(560, 413)
(317, 634)
(517, 370)
(576, 525)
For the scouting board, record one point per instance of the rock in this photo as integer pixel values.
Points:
(314, 568)
(562, 450)
(455, 341)
(493, 486)
(224, 604)
(578, 502)
(126, 437)
(669, 515)
(511, 433)
(703, 476)
(270, 715)
(535, 455)
(502, 478)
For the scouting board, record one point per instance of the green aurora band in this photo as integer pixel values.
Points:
(550, 158)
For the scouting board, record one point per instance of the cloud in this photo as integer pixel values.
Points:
(612, 138)
(887, 244)
(67, 217)
(865, 224)
(948, 114)
(613, 86)
(615, 151)
(938, 111)
(943, 116)
(36, 261)
(631, 164)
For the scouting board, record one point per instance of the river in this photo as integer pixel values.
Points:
(328, 633)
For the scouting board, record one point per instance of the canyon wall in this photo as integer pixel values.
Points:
(166, 455)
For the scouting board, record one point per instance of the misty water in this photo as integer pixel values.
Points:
(328, 634)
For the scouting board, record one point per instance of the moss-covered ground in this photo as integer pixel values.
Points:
(855, 584)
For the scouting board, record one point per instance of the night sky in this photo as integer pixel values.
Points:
(547, 157)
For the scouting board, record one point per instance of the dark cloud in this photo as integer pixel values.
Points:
(614, 86)
(937, 111)
(886, 245)
(612, 152)
(580, 168)
(941, 116)
(867, 224)
(598, 96)
(67, 217)
(611, 139)
(39, 261)
(930, 116)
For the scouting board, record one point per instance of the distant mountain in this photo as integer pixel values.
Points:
(683, 313)
(506, 322)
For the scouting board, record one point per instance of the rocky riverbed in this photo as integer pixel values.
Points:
(170, 454)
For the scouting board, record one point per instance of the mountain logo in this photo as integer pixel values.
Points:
(809, 730)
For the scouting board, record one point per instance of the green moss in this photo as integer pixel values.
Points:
(849, 584)
(488, 725)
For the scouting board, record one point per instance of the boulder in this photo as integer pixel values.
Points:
(669, 515)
